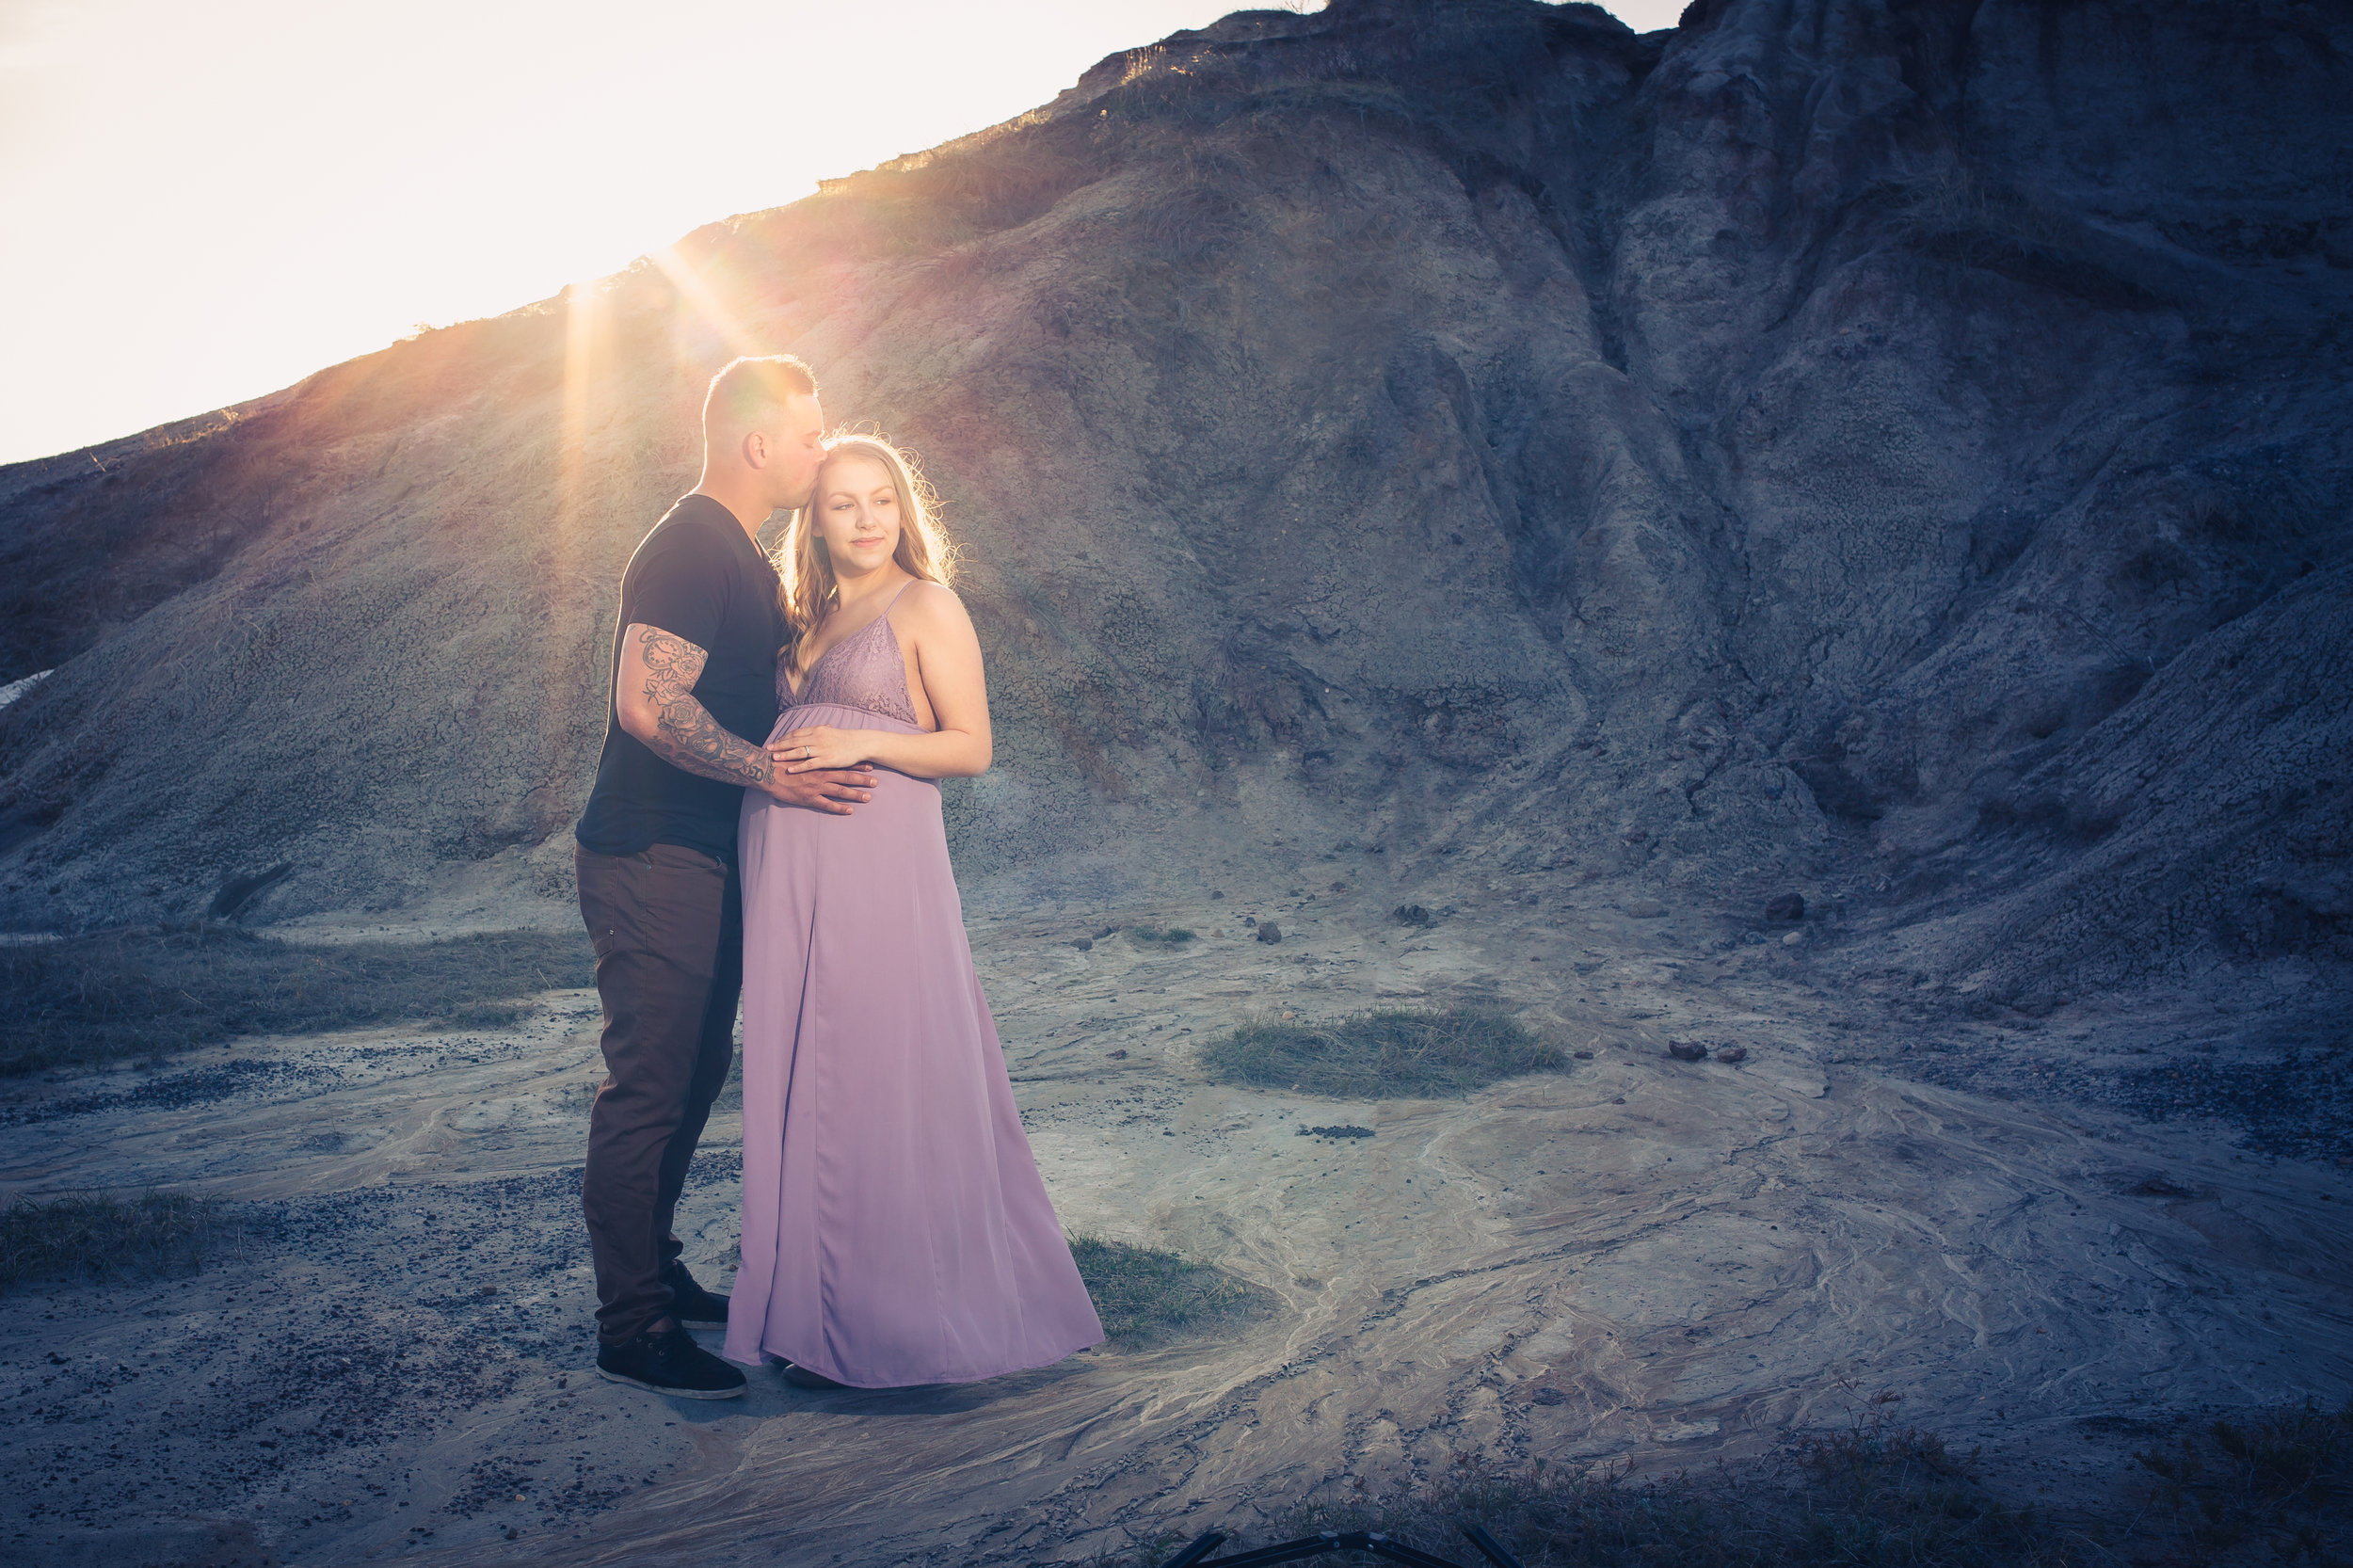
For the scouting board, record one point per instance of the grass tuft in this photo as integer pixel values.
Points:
(146, 991)
(1143, 1294)
(1381, 1053)
(101, 1235)
(1167, 935)
(2280, 1480)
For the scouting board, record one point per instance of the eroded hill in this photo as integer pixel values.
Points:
(1896, 451)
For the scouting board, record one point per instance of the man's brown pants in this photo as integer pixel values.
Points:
(669, 927)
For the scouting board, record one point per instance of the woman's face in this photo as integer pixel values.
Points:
(858, 515)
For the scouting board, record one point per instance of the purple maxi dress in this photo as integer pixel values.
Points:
(895, 1230)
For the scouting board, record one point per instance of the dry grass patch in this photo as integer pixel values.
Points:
(1143, 1294)
(2269, 1491)
(2275, 1486)
(145, 991)
(1382, 1054)
(101, 1235)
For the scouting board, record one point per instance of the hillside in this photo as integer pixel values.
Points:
(1896, 452)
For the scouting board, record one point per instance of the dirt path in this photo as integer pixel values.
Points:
(1644, 1259)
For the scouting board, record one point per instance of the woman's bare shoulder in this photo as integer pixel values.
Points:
(932, 603)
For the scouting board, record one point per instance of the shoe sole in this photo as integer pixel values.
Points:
(734, 1393)
(704, 1322)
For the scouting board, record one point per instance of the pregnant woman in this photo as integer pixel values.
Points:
(895, 1230)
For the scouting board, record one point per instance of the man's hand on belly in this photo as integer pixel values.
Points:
(831, 789)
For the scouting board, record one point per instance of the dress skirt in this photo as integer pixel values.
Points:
(896, 1228)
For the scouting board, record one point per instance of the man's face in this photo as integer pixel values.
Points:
(795, 451)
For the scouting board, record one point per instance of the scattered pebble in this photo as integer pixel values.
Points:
(1793, 938)
(1411, 913)
(1084, 944)
(1733, 1053)
(1687, 1050)
(1269, 931)
(1118, 1055)
(1786, 906)
(1583, 1055)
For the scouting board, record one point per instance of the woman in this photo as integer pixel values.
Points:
(895, 1230)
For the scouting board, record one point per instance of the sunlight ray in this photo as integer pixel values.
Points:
(698, 293)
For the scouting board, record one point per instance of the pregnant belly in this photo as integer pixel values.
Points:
(808, 716)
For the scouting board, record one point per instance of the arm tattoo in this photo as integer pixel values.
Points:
(685, 735)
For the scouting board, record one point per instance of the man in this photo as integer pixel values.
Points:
(694, 697)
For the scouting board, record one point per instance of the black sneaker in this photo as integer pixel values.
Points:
(689, 1303)
(668, 1361)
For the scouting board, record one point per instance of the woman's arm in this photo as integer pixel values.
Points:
(948, 661)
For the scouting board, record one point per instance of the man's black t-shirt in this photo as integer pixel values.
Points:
(699, 577)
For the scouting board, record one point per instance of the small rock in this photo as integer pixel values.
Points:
(1733, 1053)
(1786, 906)
(1269, 931)
(1583, 1055)
(1547, 1396)
(1410, 914)
(1687, 1050)
(1084, 944)
(1619, 1100)
(1793, 938)
(1118, 1055)
(1339, 887)
(1217, 895)
(1645, 909)
(1249, 920)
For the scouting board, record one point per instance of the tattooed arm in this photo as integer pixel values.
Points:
(655, 694)
(655, 697)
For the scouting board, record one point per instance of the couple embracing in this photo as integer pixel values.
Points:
(766, 824)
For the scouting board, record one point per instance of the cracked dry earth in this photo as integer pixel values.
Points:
(1642, 1261)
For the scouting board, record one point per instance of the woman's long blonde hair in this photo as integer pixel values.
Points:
(808, 589)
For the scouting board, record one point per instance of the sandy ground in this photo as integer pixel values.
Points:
(1642, 1261)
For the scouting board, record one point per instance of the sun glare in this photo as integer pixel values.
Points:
(210, 202)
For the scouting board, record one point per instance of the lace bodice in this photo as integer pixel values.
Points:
(864, 670)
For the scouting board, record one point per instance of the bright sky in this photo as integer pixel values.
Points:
(206, 202)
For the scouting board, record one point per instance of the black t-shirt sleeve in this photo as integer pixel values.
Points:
(682, 587)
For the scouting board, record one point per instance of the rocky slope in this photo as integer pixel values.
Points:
(1896, 451)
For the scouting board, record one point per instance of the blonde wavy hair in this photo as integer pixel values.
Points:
(808, 589)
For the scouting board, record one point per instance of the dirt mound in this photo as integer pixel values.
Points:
(1900, 453)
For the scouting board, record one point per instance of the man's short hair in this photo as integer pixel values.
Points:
(748, 391)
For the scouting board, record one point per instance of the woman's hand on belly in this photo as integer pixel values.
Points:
(821, 746)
